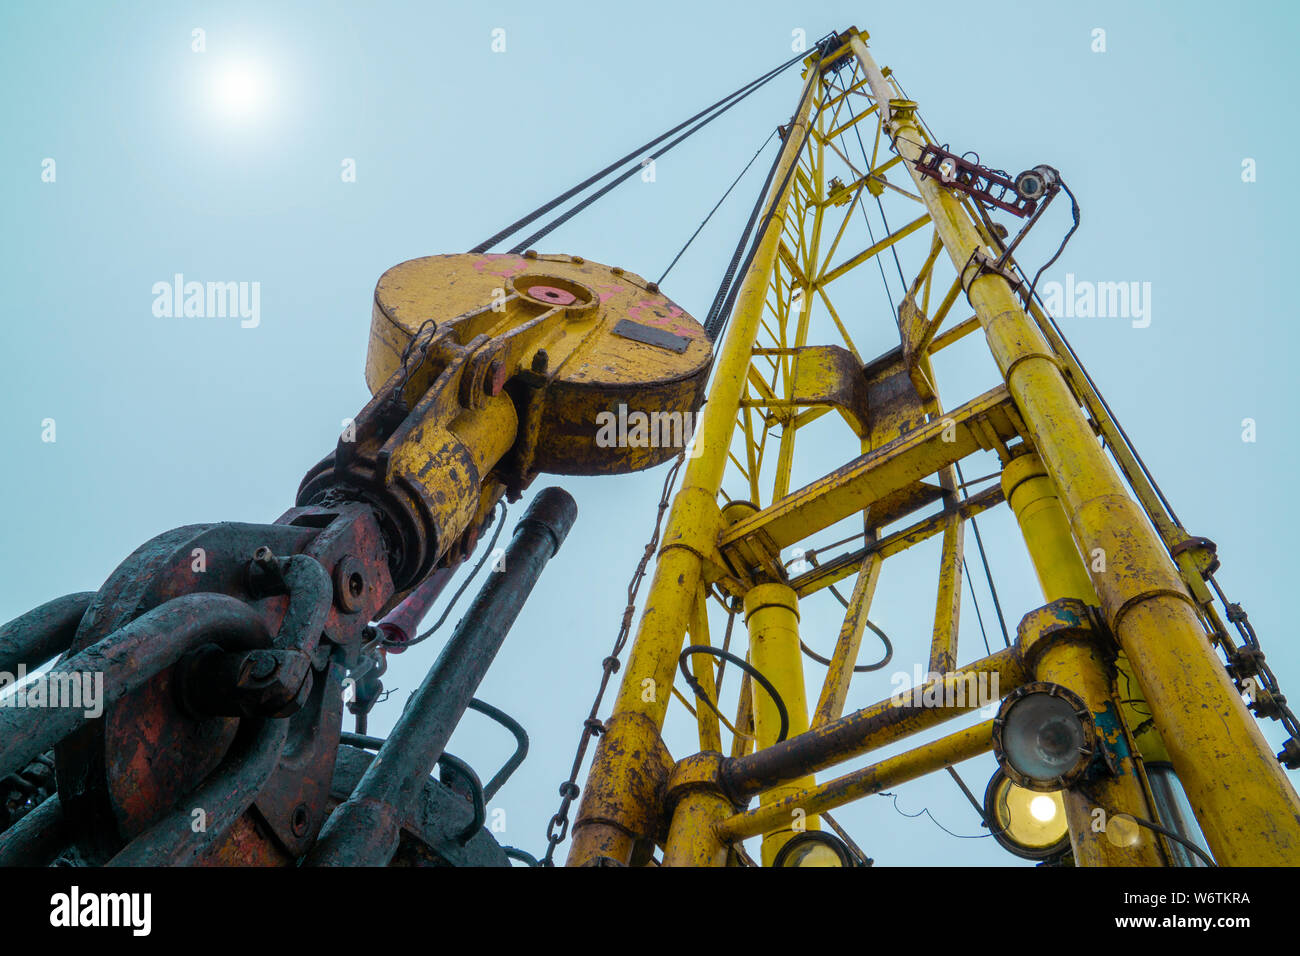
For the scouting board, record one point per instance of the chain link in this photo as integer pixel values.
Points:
(592, 726)
(1256, 680)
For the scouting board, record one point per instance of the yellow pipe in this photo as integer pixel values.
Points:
(771, 612)
(835, 689)
(1246, 807)
(692, 834)
(691, 533)
(702, 669)
(1028, 489)
(1061, 573)
(1080, 666)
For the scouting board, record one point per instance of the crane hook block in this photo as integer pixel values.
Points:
(605, 372)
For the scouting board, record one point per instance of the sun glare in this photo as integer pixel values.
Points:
(240, 91)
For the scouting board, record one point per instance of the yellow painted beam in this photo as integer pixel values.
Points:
(885, 470)
(772, 615)
(1248, 810)
(1079, 664)
(944, 752)
(611, 828)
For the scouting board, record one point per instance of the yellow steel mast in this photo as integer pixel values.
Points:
(1138, 610)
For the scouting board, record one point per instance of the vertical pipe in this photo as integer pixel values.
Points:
(1079, 666)
(608, 830)
(1061, 573)
(947, 605)
(692, 836)
(1174, 812)
(1032, 497)
(772, 614)
(706, 719)
(1247, 809)
(363, 831)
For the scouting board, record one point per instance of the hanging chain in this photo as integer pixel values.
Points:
(558, 829)
(1257, 681)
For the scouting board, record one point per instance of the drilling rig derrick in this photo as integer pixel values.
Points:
(230, 651)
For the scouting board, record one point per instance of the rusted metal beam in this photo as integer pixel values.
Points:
(944, 752)
(906, 712)
(836, 686)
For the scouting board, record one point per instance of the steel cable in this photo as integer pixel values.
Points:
(721, 106)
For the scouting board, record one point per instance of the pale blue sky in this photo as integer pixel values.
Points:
(163, 422)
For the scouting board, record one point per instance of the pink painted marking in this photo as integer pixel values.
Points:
(513, 266)
(647, 311)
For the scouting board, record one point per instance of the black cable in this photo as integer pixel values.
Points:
(978, 615)
(721, 106)
(744, 665)
(859, 668)
(682, 251)
(1178, 838)
(712, 321)
(893, 248)
(726, 646)
(720, 313)
(542, 210)
(926, 811)
(871, 234)
(1074, 213)
(621, 178)
(979, 541)
(1128, 442)
(988, 574)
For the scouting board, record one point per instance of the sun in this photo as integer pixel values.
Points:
(240, 90)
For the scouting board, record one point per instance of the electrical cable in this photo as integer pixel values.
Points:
(1074, 213)
(871, 234)
(501, 523)
(755, 674)
(858, 668)
(988, 574)
(715, 208)
(926, 812)
(979, 616)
